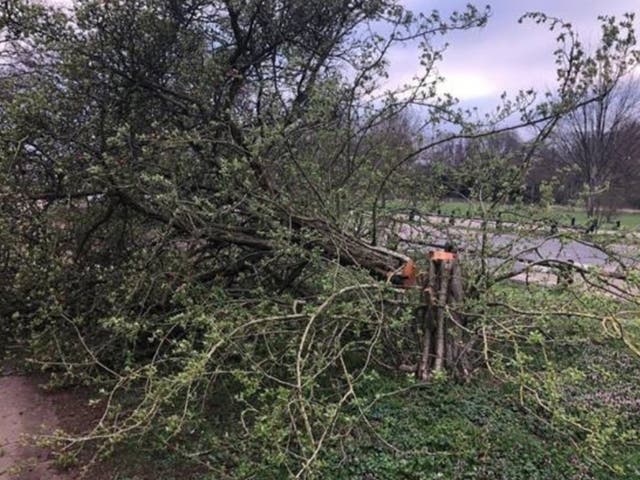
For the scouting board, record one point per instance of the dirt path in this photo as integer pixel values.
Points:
(25, 410)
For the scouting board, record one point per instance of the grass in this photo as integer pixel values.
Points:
(476, 430)
(480, 431)
(563, 214)
(484, 430)
(457, 432)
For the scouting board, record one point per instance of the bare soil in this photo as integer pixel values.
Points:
(25, 411)
(28, 411)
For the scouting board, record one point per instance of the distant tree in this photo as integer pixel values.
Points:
(478, 168)
(624, 186)
(598, 143)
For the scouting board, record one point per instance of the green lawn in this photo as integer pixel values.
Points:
(563, 214)
(491, 429)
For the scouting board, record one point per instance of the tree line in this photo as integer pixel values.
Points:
(592, 160)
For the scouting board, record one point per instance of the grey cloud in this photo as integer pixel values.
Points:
(505, 55)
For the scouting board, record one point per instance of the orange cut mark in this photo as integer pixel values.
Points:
(409, 274)
(442, 255)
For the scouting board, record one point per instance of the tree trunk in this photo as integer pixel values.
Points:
(350, 250)
(346, 248)
(443, 332)
(441, 322)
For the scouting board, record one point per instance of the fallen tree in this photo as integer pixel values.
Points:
(195, 189)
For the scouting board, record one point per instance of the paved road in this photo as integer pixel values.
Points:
(528, 247)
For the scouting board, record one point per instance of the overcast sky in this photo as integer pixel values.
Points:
(505, 55)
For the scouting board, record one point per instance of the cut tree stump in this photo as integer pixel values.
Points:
(442, 329)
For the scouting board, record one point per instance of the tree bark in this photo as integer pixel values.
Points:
(441, 323)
